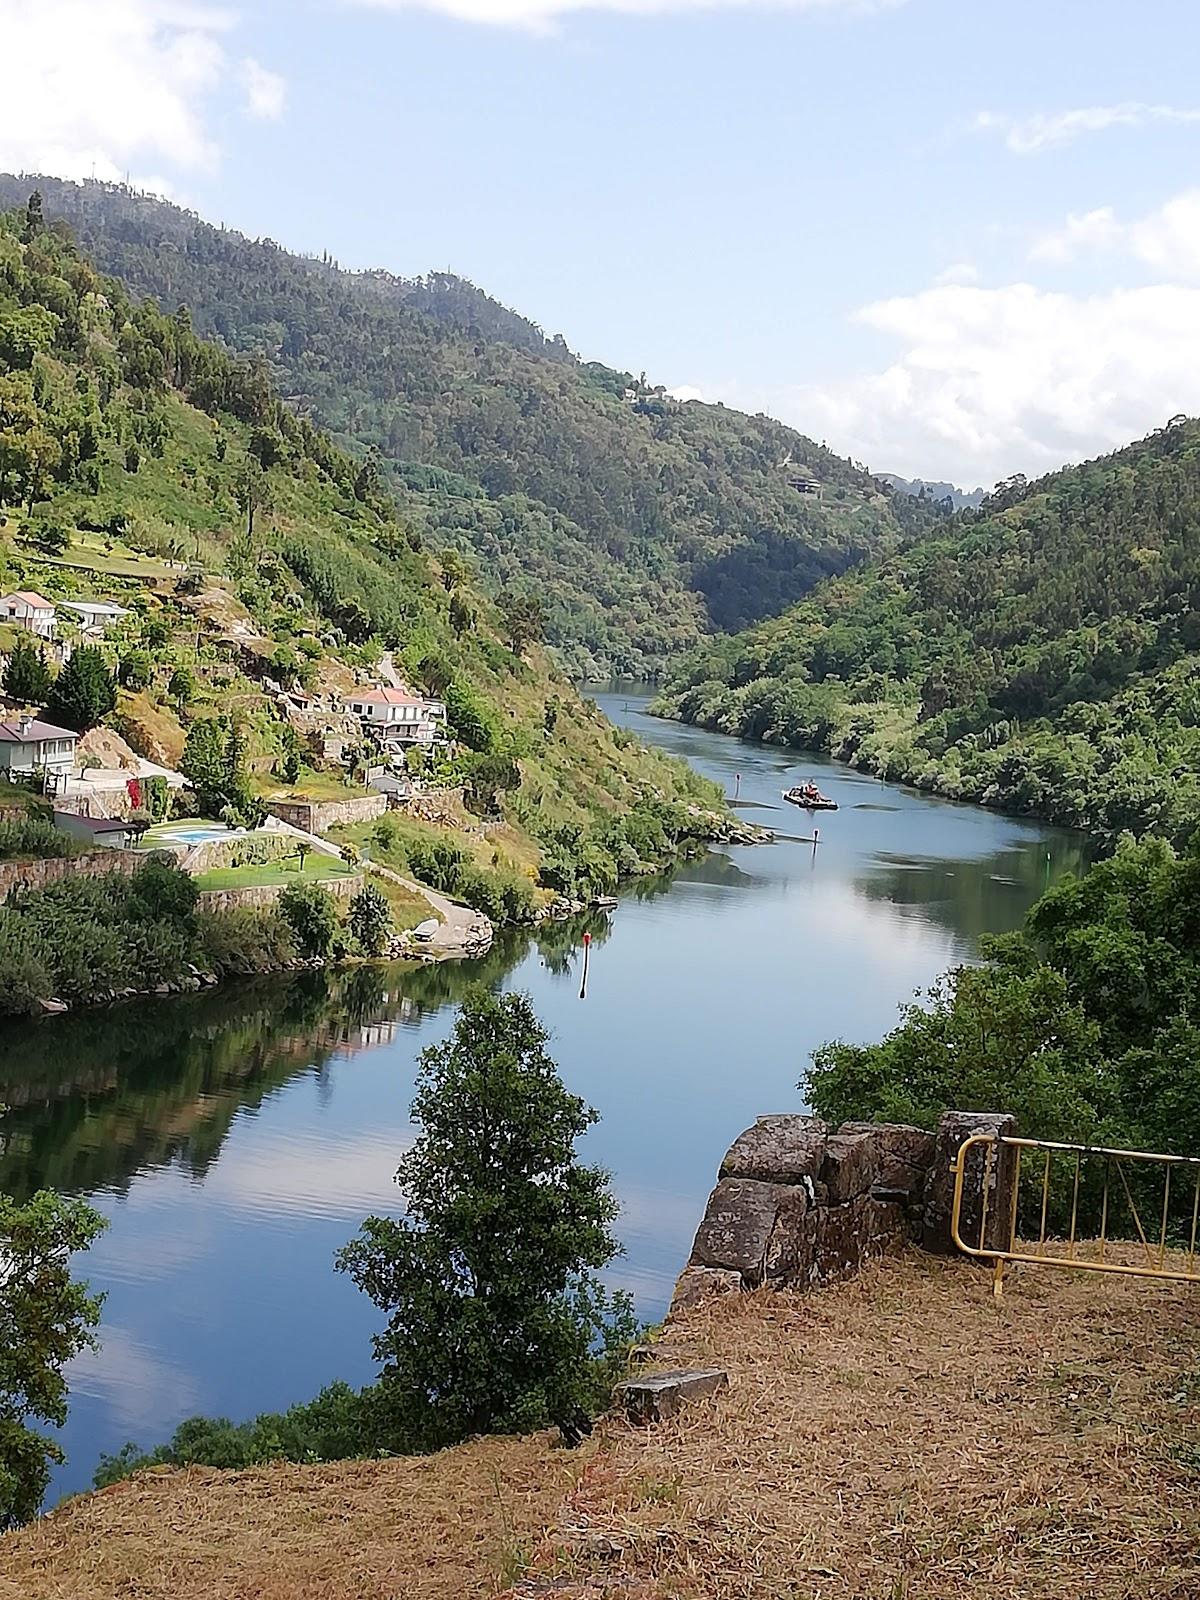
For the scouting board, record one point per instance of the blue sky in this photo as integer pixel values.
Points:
(958, 238)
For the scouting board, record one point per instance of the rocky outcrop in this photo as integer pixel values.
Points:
(796, 1205)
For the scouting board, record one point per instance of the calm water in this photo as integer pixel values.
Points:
(236, 1139)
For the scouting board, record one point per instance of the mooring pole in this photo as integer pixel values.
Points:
(587, 950)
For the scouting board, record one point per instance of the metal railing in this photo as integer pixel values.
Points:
(991, 1218)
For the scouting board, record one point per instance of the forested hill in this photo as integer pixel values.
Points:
(1040, 655)
(643, 523)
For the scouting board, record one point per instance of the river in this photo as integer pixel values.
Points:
(236, 1138)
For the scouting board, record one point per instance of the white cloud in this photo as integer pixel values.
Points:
(958, 272)
(264, 91)
(1026, 136)
(992, 381)
(106, 86)
(541, 15)
(1166, 240)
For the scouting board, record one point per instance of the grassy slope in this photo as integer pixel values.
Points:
(895, 1436)
(642, 526)
(182, 504)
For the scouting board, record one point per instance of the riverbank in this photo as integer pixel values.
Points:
(897, 1434)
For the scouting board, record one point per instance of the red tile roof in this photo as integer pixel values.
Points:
(386, 697)
(28, 597)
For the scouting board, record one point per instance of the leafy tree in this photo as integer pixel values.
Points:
(253, 493)
(84, 693)
(136, 669)
(27, 677)
(493, 1313)
(524, 620)
(35, 221)
(311, 914)
(46, 1318)
(182, 686)
(370, 919)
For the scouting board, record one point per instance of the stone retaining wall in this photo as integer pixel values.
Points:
(265, 894)
(797, 1206)
(93, 864)
(318, 816)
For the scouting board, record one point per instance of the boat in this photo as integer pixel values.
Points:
(809, 798)
(604, 902)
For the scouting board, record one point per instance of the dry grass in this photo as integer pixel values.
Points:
(900, 1437)
(462, 1523)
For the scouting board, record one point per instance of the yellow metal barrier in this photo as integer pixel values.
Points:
(996, 1209)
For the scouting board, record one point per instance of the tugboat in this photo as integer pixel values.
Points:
(809, 798)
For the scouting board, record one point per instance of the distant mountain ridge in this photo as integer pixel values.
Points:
(960, 499)
(643, 523)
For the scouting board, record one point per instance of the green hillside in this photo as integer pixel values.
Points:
(141, 463)
(1039, 656)
(643, 523)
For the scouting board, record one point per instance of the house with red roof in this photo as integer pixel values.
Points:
(30, 611)
(397, 715)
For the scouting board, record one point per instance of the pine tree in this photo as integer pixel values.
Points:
(27, 678)
(84, 693)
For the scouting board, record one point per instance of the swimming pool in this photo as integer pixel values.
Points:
(191, 833)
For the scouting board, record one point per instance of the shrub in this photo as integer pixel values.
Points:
(311, 914)
(370, 919)
(244, 940)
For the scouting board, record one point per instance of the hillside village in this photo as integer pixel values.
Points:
(223, 647)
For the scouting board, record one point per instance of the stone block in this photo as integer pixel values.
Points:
(842, 1239)
(698, 1284)
(778, 1149)
(954, 1127)
(737, 1228)
(791, 1252)
(659, 1395)
(904, 1153)
(850, 1165)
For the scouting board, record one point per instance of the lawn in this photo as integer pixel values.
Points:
(87, 552)
(317, 868)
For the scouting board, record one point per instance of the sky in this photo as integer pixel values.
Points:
(954, 239)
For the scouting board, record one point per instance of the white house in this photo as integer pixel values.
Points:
(30, 611)
(95, 614)
(29, 745)
(397, 715)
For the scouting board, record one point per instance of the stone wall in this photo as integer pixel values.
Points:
(235, 851)
(265, 894)
(796, 1206)
(318, 816)
(93, 864)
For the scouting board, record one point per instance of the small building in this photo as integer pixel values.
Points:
(109, 833)
(30, 611)
(95, 615)
(28, 746)
(397, 716)
(804, 483)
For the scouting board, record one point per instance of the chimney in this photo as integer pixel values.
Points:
(24, 723)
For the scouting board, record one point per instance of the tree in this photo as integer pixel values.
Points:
(27, 677)
(136, 669)
(524, 620)
(370, 919)
(311, 914)
(46, 1318)
(182, 686)
(492, 1311)
(35, 221)
(84, 693)
(253, 493)
(203, 763)
(455, 570)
